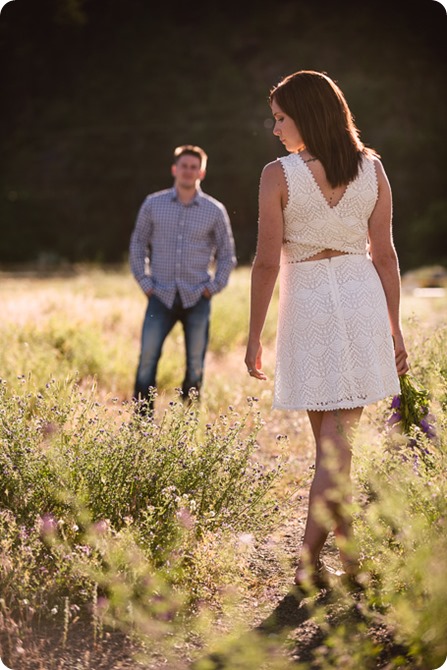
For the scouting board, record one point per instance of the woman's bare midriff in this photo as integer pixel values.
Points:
(326, 253)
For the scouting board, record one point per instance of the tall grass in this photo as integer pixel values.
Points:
(158, 527)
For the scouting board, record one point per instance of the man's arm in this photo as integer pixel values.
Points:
(138, 248)
(225, 254)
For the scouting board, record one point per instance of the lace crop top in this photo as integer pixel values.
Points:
(311, 225)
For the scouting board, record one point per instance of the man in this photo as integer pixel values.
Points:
(179, 232)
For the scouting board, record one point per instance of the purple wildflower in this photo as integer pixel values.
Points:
(101, 527)
(48, 524)
(394, 418)
(424, 425)
(415, 463)
(427, 428)
(395, 403)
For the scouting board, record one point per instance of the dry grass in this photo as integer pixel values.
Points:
(105, 310)
(112, 304)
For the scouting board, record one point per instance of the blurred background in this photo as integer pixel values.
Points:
(95, 94)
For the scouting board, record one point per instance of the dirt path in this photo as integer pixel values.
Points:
(274, 618)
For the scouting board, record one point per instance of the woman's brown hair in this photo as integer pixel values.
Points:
(325, 122)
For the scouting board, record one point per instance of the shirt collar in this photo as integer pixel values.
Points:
(194, 201)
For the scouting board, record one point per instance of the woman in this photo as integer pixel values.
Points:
(325, 222)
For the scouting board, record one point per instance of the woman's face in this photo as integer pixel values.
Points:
(285, 128)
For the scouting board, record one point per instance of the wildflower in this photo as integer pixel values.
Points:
(395, 403)
(102, 605)
(185, 518)
(428, 429)
(193, 394)
(101, 527)
(85, 549)
(47, 524)
(411, 410)
(394, 418)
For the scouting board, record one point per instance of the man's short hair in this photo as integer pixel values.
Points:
(191, 150)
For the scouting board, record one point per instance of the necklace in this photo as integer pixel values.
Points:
(307, 160)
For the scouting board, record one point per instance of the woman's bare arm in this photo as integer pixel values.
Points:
(266, 264)
(384, 257)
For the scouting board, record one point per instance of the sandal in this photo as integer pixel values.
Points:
(351, 576)
(312, 578)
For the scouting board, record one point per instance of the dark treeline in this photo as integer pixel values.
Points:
(97, 93)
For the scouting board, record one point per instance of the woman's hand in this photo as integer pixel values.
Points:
(400, 354)
(253, 360)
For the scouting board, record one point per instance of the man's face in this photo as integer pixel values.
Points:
(187, 171)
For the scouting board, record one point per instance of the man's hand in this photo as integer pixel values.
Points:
(206, 294)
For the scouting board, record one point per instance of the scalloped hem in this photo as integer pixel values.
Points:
(330, 407)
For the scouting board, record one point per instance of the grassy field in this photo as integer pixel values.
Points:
(130, 544)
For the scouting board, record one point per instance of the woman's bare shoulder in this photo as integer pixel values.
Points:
(273, 172)
(381, 175)
(273, 184)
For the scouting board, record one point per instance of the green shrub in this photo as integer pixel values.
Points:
(71, 464)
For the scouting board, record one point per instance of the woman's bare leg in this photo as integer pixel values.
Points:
(331, 486)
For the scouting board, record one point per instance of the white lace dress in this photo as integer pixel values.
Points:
(334, 344)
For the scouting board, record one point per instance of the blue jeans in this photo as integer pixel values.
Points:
(158, 323)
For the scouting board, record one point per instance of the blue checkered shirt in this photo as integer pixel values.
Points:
(173, 246)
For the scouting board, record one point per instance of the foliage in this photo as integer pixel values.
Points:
(403, 538)
(63, 454)
(401, 521)
(169, 529)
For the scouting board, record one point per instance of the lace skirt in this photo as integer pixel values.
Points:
(334, 344)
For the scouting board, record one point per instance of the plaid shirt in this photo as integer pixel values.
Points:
(173, 245)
